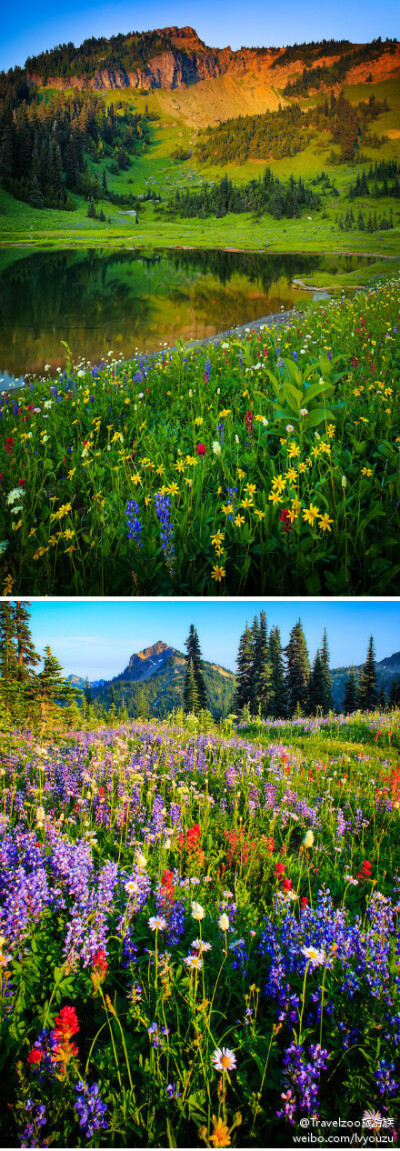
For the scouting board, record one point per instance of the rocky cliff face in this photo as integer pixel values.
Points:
(188, 60)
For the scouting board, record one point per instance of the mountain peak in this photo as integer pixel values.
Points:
(149, 652)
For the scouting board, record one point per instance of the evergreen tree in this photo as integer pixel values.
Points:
(327, 701)
(298, 669)
(9, 688)
(317, 686)
(52, 688)
(263, 669)
(35, 196)
(382, 695)
(27, 656)
(350, 693)
(278, 702)
(361, 687)
(193, 653)
(254, 668)
(369, 680)
(191, 695)
(244, 674)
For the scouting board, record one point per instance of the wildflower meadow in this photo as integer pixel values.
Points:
(265, 462)
(200, 933)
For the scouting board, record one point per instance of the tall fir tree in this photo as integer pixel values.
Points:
(350, 693)
(317, 686)
(194, 653)
(327, 701)
(298, 669)
(263, 668)
(368, 692)
(191, 695)
(10, 692)
(244, 674)
(52, 688)
(278, 700)
(27, 656)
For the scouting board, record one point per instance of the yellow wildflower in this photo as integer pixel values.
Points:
(293, 449)
(199, 420)
(225, 412)
(239, 520)
(259, 513)
(217, 538)
(217, 573)
(248, 503)
(275, 497)
(251, 489)
(278, 483)
(227, 509)
(324, 522)
(173, 489)
(291, 475)
(220, 1136)
(241, 474)
(310, 514)
(179, 466)
(366, 471)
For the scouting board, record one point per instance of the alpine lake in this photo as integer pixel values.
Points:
(129, 301)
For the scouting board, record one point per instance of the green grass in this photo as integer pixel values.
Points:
(154, 169)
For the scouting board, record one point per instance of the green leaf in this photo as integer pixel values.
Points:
(294, 372)
(316, 390)
(318, 416)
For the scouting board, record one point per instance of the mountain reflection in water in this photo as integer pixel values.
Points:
(122, 301)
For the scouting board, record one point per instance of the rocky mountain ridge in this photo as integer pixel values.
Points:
(184, 60)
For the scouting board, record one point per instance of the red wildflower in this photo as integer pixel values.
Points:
(249, 421)
(355, 362)
(35, 1056)
(200, 450)
(9, 445)
(21, 483)
(286, 520)
(304, 901)
(100, 962)
(287, 884)
(365, 872)
(67, 1022)
(167, 887)
(279, 870)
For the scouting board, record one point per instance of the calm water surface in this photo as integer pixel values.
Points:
(127, 301)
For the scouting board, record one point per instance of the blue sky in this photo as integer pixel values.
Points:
(96, 638)
(32, 27)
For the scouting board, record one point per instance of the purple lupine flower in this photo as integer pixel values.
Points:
(90, 1109)
(132, 512)
(163, 513)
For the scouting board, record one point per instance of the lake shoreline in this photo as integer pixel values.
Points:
(251, 326)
